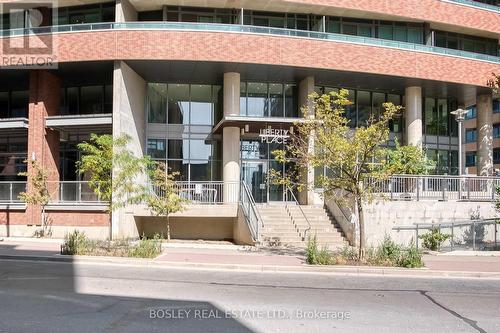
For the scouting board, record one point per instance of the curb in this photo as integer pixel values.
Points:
(337, 270)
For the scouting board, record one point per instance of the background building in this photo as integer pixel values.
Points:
(194, 82)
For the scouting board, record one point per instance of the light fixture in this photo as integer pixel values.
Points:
(247, 128)
(291, 129)
(242, 131)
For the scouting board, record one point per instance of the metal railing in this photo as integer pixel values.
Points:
(345, 218)
(252, 215)
(412, 187)
(290, 195)
(10, 191)
(72, 192)
(475, 235)
(477, 4)
(236, 28)
(209, 193)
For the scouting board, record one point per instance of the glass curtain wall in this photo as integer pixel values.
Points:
(366, 104)
(268, 100)
(468, 43)
(104, 12)
(180, 121)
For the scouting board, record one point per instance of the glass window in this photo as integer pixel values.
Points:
(19, 104)
(416, 35)
(350, 110)
(200, 171)
(395, 125)
(91, 99)
(472, 112)
(72, 100)
(496, 131)
(178, 149)
(443, 117)
(276, 102)
(157, 148)
(400, 34)
(431, 117)
(385, 31)
(291, 109)
(378, 100)
(181, 167)
(153, 15)
(218, 99)
(365, 30)
(201, 105)
(257, 99)
(200, 150)
(4, 104)
(364, 107)
(333, 26)
(440, 39)
(243, 98)
(470, 135)
(178, 104)
(496, 155)
(496, 106)
(470, 159)
(349, 29)
(108, 99)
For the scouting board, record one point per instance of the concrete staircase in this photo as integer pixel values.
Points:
(285, 225)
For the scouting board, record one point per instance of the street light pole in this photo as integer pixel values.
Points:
(459, 117)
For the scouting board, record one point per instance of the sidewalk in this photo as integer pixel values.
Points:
(247, 258)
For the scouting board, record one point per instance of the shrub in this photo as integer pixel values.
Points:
(433, 239)
(314, 256)
(75, 243)
(147, 248)
(410, 257)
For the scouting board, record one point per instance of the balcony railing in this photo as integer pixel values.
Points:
(206, 193)
(9, 191)
(477, 4)
(234, 28)
(443, 188)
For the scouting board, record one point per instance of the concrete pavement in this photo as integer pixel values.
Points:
(77, 297)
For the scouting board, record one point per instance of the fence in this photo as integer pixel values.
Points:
(205, 192)
(468, 188)
(472, 235)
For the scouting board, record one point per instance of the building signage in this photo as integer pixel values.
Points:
(271, 135)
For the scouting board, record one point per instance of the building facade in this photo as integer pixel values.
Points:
(195, 83)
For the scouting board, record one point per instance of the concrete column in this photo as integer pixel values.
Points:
(484, 104)
(125, 11)
(306, 196)
(413, 115)
(231, 139)
(129, 100)
(43, 143)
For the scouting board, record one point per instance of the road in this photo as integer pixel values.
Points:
(92, 297)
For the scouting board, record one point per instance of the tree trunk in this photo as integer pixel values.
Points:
(168, 228)
(361, 220)
(43, 221)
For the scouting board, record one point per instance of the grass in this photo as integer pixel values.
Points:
(77, 243)
(388, 253)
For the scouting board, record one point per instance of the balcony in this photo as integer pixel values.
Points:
(232, 28)
(477, 4)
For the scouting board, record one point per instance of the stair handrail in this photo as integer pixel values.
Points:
(287, 190)
(246, 197)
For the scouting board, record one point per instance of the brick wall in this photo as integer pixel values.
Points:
(57, 218)
(273, 50)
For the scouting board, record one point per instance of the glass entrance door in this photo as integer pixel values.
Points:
(254, 174)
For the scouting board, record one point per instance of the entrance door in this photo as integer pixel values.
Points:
(254, 174)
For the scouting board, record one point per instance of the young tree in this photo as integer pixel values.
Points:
(356, 158)
(407, 160)
(113, 170)
(163, 199)
(494, 82)
(38, 190)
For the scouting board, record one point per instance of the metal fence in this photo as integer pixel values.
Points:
(463, 235)
(205, 192)
(467, 188)
(10, 191)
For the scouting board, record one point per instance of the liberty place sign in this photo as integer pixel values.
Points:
(270, 135)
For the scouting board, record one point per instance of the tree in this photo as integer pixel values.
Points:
(113, 170)
(494, 82)
(163, 199)
(38, 191)
(407, 160)
(355, 158)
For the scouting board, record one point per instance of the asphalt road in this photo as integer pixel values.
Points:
(61, 297)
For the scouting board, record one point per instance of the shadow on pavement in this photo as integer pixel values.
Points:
(46, 297)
